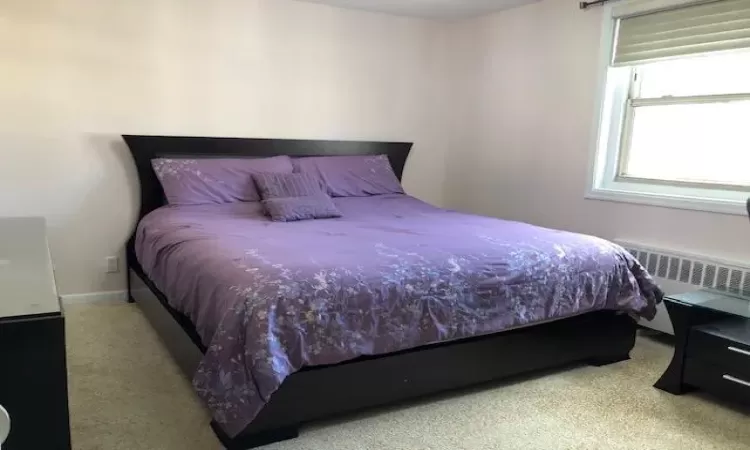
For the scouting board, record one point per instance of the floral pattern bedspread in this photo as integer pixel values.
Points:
(393, 273)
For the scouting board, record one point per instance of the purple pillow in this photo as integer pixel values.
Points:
(290, 209)
(214, 180)
(278, 185)
(352, 176)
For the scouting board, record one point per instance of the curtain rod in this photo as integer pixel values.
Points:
(586, 5)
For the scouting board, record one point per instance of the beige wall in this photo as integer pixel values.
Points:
(75, 74)
(531, 73)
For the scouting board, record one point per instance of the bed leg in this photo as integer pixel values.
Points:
(251, 440)
(606, 360)
(130, 298)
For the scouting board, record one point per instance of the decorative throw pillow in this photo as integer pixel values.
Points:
(278, 185)
(290, 209)
(214, 180)
(352, 176)
(290, 197)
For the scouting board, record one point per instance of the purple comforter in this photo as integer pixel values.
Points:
(394, 273)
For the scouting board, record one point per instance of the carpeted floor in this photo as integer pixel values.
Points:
(127, 394)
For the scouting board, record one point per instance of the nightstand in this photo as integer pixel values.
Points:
(33, 375)
(712, 347)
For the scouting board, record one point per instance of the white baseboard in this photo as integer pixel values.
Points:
(95, 297)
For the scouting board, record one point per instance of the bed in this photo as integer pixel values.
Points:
(281, 324)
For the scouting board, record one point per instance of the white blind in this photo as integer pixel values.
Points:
(688, 30)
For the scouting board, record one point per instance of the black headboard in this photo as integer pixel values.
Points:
(146, 148)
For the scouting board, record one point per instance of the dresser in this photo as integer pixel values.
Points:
(712, 347)
(33, 375)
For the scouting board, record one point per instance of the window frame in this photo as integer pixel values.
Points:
(614, 116)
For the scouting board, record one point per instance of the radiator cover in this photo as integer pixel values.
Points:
(677, 272)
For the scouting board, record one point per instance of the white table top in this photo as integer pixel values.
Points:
(27, 283)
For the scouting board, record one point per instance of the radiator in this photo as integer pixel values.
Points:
(678, 272)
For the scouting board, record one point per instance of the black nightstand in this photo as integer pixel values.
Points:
(712, 348)
(33, 376)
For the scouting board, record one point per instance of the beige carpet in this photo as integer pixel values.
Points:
(126, 393)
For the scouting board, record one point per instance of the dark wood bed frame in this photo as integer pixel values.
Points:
(313, 393)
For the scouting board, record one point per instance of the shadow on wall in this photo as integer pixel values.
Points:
(85, 185)
(103, 218)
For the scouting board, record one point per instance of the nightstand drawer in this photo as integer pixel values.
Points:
(717, 380)
(724, 344)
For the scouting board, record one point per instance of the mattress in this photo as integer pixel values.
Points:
(394, 273)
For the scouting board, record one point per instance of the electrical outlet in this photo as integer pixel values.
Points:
(113, 264)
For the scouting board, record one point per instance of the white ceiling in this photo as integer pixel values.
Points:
(433, 9)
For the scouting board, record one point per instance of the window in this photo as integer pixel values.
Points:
(687, 121)
(675, 121)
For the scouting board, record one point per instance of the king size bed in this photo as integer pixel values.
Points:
(278, 324)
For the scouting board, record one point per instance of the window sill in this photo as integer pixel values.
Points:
(734, 206)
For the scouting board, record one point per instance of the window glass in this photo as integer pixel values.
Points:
(707, 75)
(703, 142)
